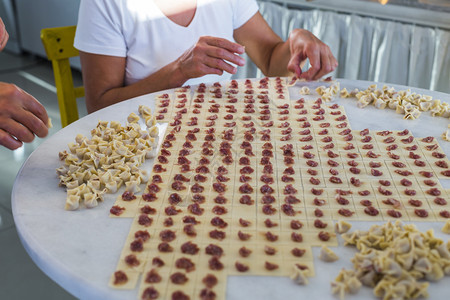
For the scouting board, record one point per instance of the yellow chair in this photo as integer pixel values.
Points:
(58, 44)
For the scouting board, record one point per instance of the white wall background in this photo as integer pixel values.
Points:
(33, 15)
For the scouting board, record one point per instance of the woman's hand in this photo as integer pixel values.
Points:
(103, 75)
(21, 117)
(210, 55)
(303, 44)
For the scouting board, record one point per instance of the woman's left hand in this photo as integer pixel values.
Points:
(303, 44)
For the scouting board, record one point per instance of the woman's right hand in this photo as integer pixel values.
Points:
(210, 55)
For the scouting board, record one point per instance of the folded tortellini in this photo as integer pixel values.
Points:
(342, 227)
(304, 90)
(446, 135)
(327, 255)
(300, 274)
(446, 228)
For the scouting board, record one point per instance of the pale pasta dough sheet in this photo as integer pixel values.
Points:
(83, 253)
(314, 157)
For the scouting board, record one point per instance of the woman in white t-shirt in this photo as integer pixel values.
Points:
(133, 47)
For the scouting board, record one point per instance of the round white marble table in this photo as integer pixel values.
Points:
(79, 249)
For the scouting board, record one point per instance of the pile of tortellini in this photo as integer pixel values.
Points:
(110, 158)
(410, 104)
(326, 93)
(396, 260)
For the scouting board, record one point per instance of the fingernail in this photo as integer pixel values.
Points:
(241, 61)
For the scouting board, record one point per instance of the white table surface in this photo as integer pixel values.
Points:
(79, 249)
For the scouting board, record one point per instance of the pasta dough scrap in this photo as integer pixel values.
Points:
(49, 123)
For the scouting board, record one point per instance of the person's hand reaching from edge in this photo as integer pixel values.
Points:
(4, 36)
(303, 45)
(21, 117)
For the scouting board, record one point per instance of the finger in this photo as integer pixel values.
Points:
(326, 66)
(334, 61)
(219, 64)
(15, 127)
(329, 65)
(314, 60)
(38, 117)
(27, 124)
(294, 65)
(224, 54)
(225, 44)
(209, 70)
(8, 141)
(33, 124)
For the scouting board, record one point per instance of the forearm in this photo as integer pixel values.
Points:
(278, 60)
(165, 78)
(266, 49)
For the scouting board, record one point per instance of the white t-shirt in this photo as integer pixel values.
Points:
(139, 31)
